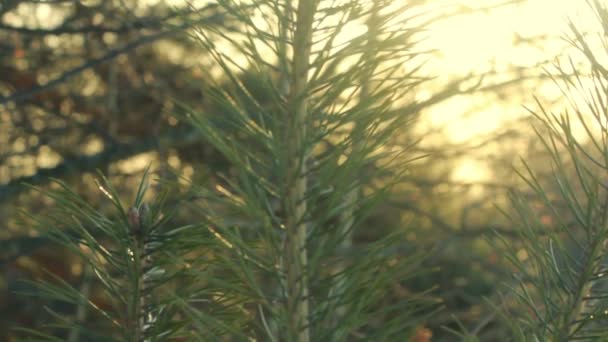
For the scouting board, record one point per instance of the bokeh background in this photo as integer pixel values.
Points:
(92, 85)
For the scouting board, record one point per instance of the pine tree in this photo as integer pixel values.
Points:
(301, 163)
(273, 255)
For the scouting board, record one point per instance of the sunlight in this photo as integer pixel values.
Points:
(526, 35)
(483, 39)
(471, 169)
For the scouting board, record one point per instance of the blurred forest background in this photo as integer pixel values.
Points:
(91, 85)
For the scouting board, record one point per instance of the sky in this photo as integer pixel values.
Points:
(482, 41)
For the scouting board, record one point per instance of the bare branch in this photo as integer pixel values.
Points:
(79, 164)
(144, 23)
(22, 95)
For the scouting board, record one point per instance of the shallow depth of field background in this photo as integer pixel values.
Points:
(489, 60)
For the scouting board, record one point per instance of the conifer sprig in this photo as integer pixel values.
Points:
(130, 253)
(312, 134)
(561, 258)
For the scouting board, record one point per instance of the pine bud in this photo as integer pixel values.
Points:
(134, 219)
(144, 214)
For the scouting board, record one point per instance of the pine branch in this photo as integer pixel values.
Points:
(562, 277)
(286, 262)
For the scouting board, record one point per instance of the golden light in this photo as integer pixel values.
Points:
(524, 35)
(527, 34)
(484, 38)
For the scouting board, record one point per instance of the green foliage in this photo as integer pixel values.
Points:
(312, 147)
(304, 115)
(135, 268)
(561, 261)
(300, 149)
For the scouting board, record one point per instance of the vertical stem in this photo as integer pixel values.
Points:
(296, 181)
(139, 315)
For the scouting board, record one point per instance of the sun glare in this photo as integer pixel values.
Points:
(489, 38)
(525, 35)
(528, 34)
